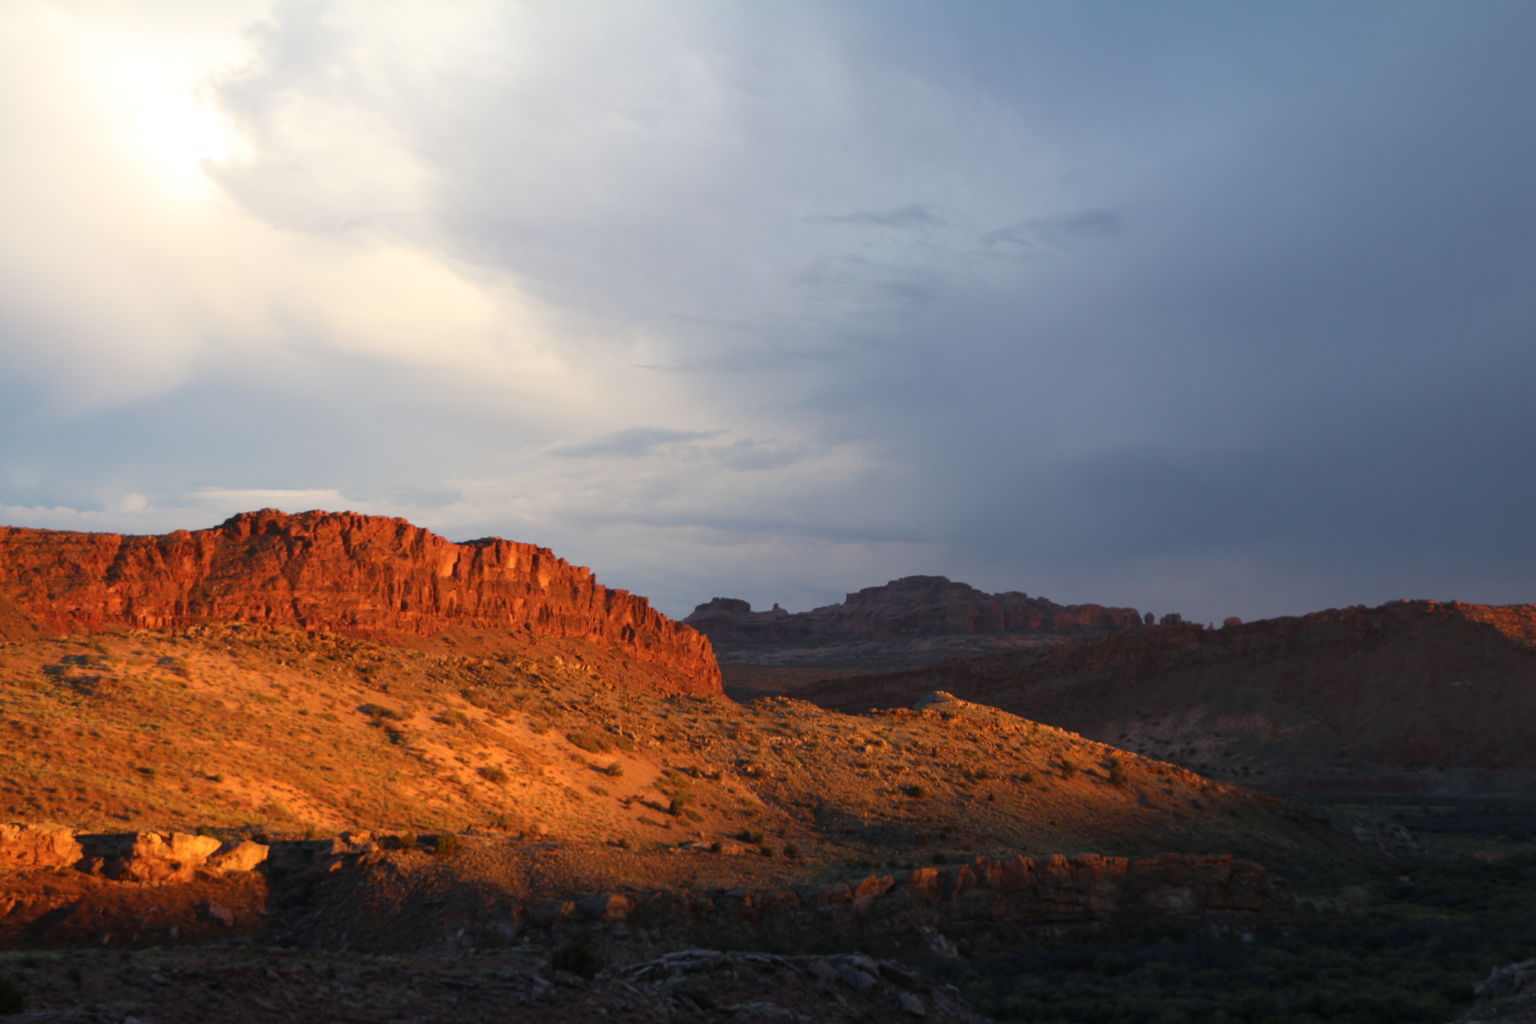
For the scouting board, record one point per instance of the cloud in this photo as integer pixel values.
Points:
(1060, 232)
(629, 443)
(911, 217)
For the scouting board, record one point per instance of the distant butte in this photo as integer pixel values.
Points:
(366, 576)
(912, 620)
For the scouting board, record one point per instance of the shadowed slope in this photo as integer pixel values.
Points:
(1409, 697)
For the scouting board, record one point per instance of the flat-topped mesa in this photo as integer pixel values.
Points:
(367, 576)
(912, 606)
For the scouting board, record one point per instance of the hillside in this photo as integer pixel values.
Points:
(1411, 697)
(911, 621)
(258, 727)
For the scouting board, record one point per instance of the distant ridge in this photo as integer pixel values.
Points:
(914, 619)
(1409, 697)
(366, 576)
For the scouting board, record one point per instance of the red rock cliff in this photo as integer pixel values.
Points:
(364, 575)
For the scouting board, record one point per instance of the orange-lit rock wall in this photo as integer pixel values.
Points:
(364, 575)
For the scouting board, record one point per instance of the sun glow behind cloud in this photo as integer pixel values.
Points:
(154, 99)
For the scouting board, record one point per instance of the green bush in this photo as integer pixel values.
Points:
(576, 957)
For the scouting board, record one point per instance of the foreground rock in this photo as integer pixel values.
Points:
(384, 892)
(365, 576)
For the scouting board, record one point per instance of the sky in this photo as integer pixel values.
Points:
(1218, 308)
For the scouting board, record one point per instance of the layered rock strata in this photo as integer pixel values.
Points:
(367, 576)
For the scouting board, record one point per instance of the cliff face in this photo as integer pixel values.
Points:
(364, 575)
(913, 619)
(1415, 696)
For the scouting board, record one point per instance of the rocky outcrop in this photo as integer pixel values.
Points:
(909, 617)
(360, 888)
(33, 847)
(1410, 697)
(367, 576)
(126, 856)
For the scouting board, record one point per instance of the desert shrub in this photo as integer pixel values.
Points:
(589, 740)
(679, 803)
(914, 790)
(1117, 772)
(576, 957)
(452, 716)
(12, 999)
(1068, 769)
(791, 851)
(615, 769)
(381, 713)
(492, 773)
(750, 837)
(447, 845)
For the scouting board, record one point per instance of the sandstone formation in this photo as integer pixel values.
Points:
(1410, 697)
(911, 620)
(366, 576)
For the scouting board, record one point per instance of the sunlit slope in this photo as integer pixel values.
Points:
(287, 732)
